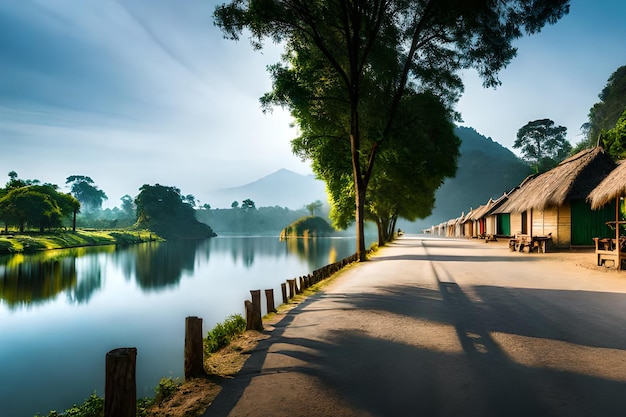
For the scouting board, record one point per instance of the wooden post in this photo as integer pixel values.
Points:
(292, 287)
(120, 391)
(253, 312)
(298, 285)
(269, 298)
(283, 288)
(194, 352)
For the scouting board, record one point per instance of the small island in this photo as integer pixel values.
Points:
(306, 227)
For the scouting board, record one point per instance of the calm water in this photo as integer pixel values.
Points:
(62, 311)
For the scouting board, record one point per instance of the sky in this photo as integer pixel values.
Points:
(134, 92)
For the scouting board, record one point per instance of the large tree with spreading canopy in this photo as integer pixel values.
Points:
(351, 63)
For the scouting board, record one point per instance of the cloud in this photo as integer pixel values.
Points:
(134, 92)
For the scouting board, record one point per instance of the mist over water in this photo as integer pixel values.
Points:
(61, 311)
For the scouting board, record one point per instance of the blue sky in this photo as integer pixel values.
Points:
(130, 92)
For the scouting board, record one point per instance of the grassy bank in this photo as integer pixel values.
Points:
(32, 241)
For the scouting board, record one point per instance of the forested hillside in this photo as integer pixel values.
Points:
(486, 170)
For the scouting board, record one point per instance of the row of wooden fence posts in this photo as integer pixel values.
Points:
(120, 391)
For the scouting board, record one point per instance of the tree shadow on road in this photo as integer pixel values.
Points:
(516, 352)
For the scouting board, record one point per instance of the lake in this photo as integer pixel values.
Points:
(61, 311)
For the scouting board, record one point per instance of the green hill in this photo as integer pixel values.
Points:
(486, 170)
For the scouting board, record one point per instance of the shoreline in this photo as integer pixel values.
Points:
(33, 242)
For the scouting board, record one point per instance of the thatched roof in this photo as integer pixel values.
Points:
(572, 179)
(612, 187)
(509, 197)
(480, 211)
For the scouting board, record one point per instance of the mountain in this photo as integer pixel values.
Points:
(486, 170)
(282, 188)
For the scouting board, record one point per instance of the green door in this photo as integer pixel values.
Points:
(504, 224)
(587, 223)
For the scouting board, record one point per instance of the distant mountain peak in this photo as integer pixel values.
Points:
(283, 188)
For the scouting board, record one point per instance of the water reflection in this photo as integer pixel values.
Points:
(34, 279)
(99, 298)
(315, 251)
(161, 265)
(155, 266)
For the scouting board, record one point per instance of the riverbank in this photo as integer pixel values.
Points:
(11, 243)
(194, 396)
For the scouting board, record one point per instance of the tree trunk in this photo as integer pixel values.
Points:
(359, 217)
(381, 232)
(74, 222)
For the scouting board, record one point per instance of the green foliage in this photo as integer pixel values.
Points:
(163, 209)
(348, 66)
(222, 334)
(604, 115)
(166, 388)
(92, 407)
(39, 206)
(308, 227)
(262, 220)
(314, 206)
(542, 144)
(614, 140)
(486, 170)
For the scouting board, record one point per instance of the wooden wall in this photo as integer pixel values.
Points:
(555, 220)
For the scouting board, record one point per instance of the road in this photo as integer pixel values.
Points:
(442, 327)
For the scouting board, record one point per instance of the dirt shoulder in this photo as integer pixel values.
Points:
(195, 395)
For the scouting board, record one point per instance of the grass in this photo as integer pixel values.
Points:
(222, 334)
(35, 241)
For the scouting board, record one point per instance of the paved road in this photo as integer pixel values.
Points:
(439, 327)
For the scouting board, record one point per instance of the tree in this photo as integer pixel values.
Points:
(37, 205)
(16, 182)
(191, 199)
(411, 166)
(234, 204)
(314, 206)
(248, 204)
(370, 54)
(128, 205)
(164, 210)
(83, 190)
(542, 144)
(614, 140)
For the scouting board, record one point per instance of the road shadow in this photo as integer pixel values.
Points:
(518, 351)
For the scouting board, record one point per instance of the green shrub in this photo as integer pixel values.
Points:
(92, 407)
(165, 389)
(221, 335)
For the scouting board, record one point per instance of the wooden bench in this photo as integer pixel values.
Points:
(489, 237)
(537, 244)
(606, 250)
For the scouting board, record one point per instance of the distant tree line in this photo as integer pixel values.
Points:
(246, 218)
(29, 205)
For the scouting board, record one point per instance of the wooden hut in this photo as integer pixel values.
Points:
(611, 192)
(478, 218)
(512, 222)
(468, 225)
(497, 224)
(554, 203)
